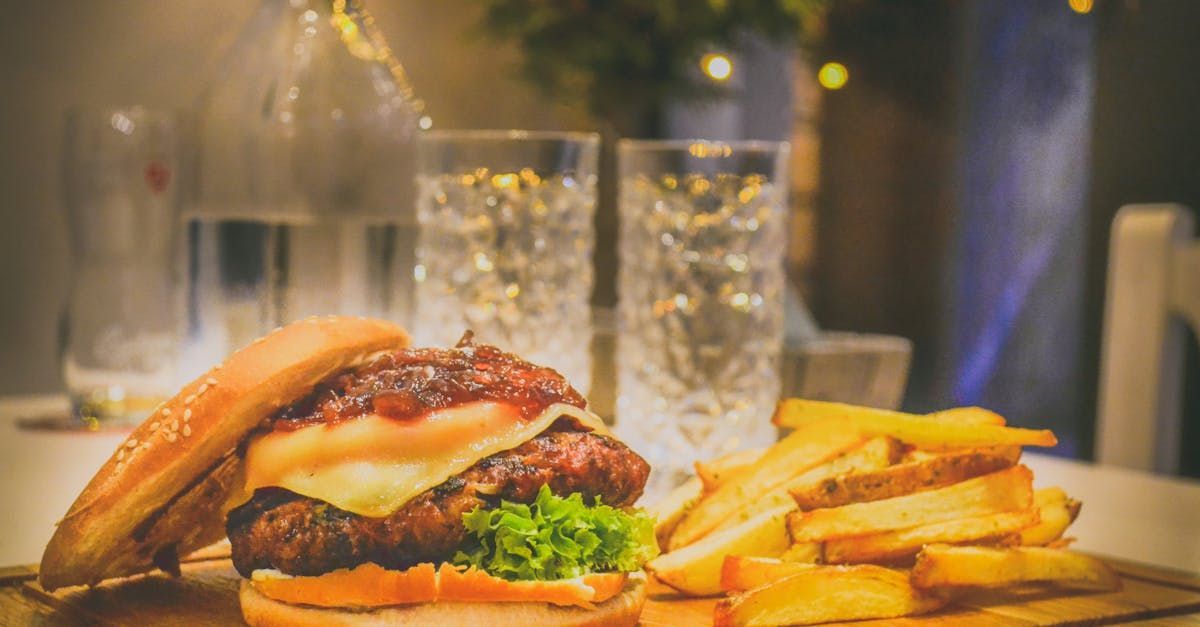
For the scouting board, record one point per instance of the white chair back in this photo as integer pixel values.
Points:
(1153, 291)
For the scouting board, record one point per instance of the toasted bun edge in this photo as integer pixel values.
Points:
(624, 609)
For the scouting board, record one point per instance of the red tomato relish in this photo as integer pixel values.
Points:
(409, 383)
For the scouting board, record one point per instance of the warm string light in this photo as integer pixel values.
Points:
(1081, 7)
(717, 66)
(833, 75)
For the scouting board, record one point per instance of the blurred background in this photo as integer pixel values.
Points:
(955, 166)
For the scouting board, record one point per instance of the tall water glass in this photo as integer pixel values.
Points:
(123, 320)
(505, 244)
(700, 286)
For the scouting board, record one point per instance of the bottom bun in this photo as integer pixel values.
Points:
(623, 609)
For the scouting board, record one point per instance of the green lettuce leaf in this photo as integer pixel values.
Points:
(556, 538)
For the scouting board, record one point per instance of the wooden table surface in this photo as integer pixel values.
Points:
(207, 594)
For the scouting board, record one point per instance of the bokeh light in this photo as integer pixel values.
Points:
(1082, 7)
(833, 75)
(716, 66)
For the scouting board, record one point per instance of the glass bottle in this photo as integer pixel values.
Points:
(304, 200)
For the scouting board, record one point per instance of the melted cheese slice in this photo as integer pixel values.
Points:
(373, 465)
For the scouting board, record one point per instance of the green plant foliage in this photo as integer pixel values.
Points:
(618, 56)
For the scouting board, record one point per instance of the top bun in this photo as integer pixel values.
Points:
(162, 493)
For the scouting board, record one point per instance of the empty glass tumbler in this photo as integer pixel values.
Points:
(505, 244)
(122, 324)
(700, 290)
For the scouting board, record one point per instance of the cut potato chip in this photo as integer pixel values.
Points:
(940, 565)
(696, 569)
(743, 573)
(1057, 512)
(826, 593)
(891, 547)
(906, 478)
(1003, 491)
(802, 449)
(922, 431)
(873, 454)
(714, 472)
(670, 509)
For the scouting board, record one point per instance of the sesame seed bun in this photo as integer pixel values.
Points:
(163, 491)
(621, 610)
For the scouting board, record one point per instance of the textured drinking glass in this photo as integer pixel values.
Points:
(505, 244)
(123, 319)
(700, 312)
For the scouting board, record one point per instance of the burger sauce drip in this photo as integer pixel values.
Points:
(410, 383)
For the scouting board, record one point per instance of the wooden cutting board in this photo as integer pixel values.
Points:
(207, 595)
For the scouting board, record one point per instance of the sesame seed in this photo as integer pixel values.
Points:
(146, 444)
(210, 381)
(189, 399)
(154, 425)
(202, 390)
(171, 437)
(187, 430)
(174, 425)
(187, 415)
(166, 411)
(120, 454)
(131, 443)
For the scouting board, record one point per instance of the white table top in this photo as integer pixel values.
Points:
(1126, 514)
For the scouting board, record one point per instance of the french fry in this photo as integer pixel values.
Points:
(740, 573)
(940, 566)
(696, 569)
(1060, 543)
(1002, 540)
(922, 431)
(906, 478)
(815, 411)
(891, 547)
(824, 594)
(715, 471)
(969, 415)
(873, 454)
(802, 449)
(914, 454)
(670, 509)
(804, 553)
(1057, 512)
(1002, 491)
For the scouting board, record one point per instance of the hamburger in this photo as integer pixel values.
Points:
(361, 481)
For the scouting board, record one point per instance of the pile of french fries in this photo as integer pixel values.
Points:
(866, 513)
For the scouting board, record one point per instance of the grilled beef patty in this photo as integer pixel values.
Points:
(305, 536)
